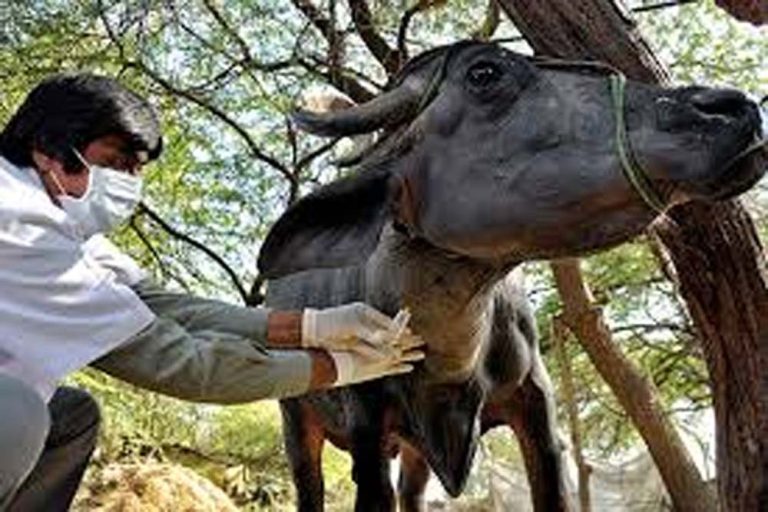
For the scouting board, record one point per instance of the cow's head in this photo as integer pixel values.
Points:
(493, 155)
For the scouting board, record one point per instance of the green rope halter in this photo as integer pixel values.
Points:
(629, 166)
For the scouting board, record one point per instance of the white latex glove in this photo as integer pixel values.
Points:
(355, 327)
(354, 367)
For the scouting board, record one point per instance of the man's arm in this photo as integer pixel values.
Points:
(208, 366)
(210, 351)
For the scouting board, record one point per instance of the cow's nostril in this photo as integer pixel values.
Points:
(722, 102)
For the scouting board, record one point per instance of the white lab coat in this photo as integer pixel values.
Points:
(63, 302)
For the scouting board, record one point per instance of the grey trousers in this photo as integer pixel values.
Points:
(44, 450)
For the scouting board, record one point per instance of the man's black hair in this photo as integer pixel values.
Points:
(72, 110)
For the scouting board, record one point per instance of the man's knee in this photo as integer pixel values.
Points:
(23, 432)
(74, 415)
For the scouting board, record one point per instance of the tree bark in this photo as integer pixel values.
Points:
(753, 11)
(717, 256)
(586, 29)
(721, 272)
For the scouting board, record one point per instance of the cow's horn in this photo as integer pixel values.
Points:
(387, 109)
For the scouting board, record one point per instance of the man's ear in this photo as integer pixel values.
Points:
(45, 163)
(337, 225)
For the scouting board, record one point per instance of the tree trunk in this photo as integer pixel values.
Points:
(721, 272)
(718, 260)
(753, 11)
(586, 29)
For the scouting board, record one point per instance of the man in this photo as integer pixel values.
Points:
(70, 163)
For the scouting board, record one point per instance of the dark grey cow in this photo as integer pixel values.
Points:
(488, 159)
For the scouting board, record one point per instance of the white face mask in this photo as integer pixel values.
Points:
(110, 199)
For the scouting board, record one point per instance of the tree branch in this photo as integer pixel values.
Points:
(405, 21)
(335, 75)
(341, 81)
(490, 22)
(315, 153)
(390, 58)
(230, 31)
(150, 247)
(646, 328)
(145, 210)
(314, 15)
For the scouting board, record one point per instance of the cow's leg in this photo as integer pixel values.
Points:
(414, 475)
(530, 412)
(370, 448)
(304, 436)
(370, 471)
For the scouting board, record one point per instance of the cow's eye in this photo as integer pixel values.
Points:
(484, 74)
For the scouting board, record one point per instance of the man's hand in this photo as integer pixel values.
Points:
(355, 327)
(355, 367)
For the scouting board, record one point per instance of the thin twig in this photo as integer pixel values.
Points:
(150, 247)
(662, 5)
(144, 209)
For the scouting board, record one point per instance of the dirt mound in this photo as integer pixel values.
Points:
(152, 487)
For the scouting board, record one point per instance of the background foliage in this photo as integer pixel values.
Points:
(224, 75)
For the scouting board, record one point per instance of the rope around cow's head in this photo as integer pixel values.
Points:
(632, 170)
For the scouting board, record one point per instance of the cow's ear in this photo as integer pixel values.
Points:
(337, 225)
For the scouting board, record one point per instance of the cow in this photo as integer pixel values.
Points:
(486, 159)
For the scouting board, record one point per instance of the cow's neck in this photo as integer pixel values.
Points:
(449, 298)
